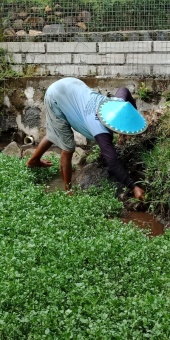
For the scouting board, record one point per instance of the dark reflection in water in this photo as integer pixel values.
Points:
(145, 221)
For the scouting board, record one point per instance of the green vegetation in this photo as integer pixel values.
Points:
(70, 269)
(157, 170)
(6, 70)
(157, 177)
(143, 92)
(27, 3)
(94, 154)
(1, 96)
(1, 30)
(166, 95)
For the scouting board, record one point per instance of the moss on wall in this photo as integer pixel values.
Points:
(6, 70)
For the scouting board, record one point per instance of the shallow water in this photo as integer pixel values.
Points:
(57, 183)
(145, 221)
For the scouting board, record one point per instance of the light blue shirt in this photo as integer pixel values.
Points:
(72, 100)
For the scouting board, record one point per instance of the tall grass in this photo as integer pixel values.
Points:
(157, 170)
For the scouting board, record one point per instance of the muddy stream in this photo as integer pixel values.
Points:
(142, 220)
(145, 221)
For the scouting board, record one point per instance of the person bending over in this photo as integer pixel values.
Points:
(70, 103)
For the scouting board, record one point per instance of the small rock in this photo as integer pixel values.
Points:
(91, 174)
(21, 33)
(34, 22)
(9, 32)
(84, 16)
(12, 149)
(82, 25)
(18, 24)
(79, 138)
(78, 156)
(48, 9)
(131, 88)
(34, 9)
(70, 20)
(22, 15)
(54, 29)
(28, 152)
(58, 7)
(58, 14)
(35, 33)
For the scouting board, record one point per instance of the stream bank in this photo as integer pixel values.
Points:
(86, 175)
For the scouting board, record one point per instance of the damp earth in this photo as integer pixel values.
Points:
(144, 220)
(141, 219)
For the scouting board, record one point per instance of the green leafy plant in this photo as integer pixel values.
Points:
(166, 95)
(70, 269)
(94, 154)
(157, 165)
(157, 179)
(6, 70)
(143, 91)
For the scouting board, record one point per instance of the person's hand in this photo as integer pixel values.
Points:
(138, 193)
(70, 192)
(38, 163)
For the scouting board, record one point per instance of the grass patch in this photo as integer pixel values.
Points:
(70, 272)
(157, 174)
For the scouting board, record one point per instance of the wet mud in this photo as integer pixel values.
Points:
(144, 220)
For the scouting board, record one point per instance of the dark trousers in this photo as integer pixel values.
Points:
(125, 94)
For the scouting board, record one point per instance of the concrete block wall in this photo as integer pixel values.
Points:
(118, 59)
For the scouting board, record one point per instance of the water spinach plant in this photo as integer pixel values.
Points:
(70, 269)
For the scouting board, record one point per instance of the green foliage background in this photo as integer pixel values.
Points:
(70, 269)
(157, 170)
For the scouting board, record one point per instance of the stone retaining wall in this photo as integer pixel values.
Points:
(23, 111)
(118, 59)
(103, 65)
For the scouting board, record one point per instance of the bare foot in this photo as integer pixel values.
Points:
(41, 163)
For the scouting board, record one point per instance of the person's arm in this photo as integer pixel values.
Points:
(115, 166)
(66, 168)
(35, 160)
